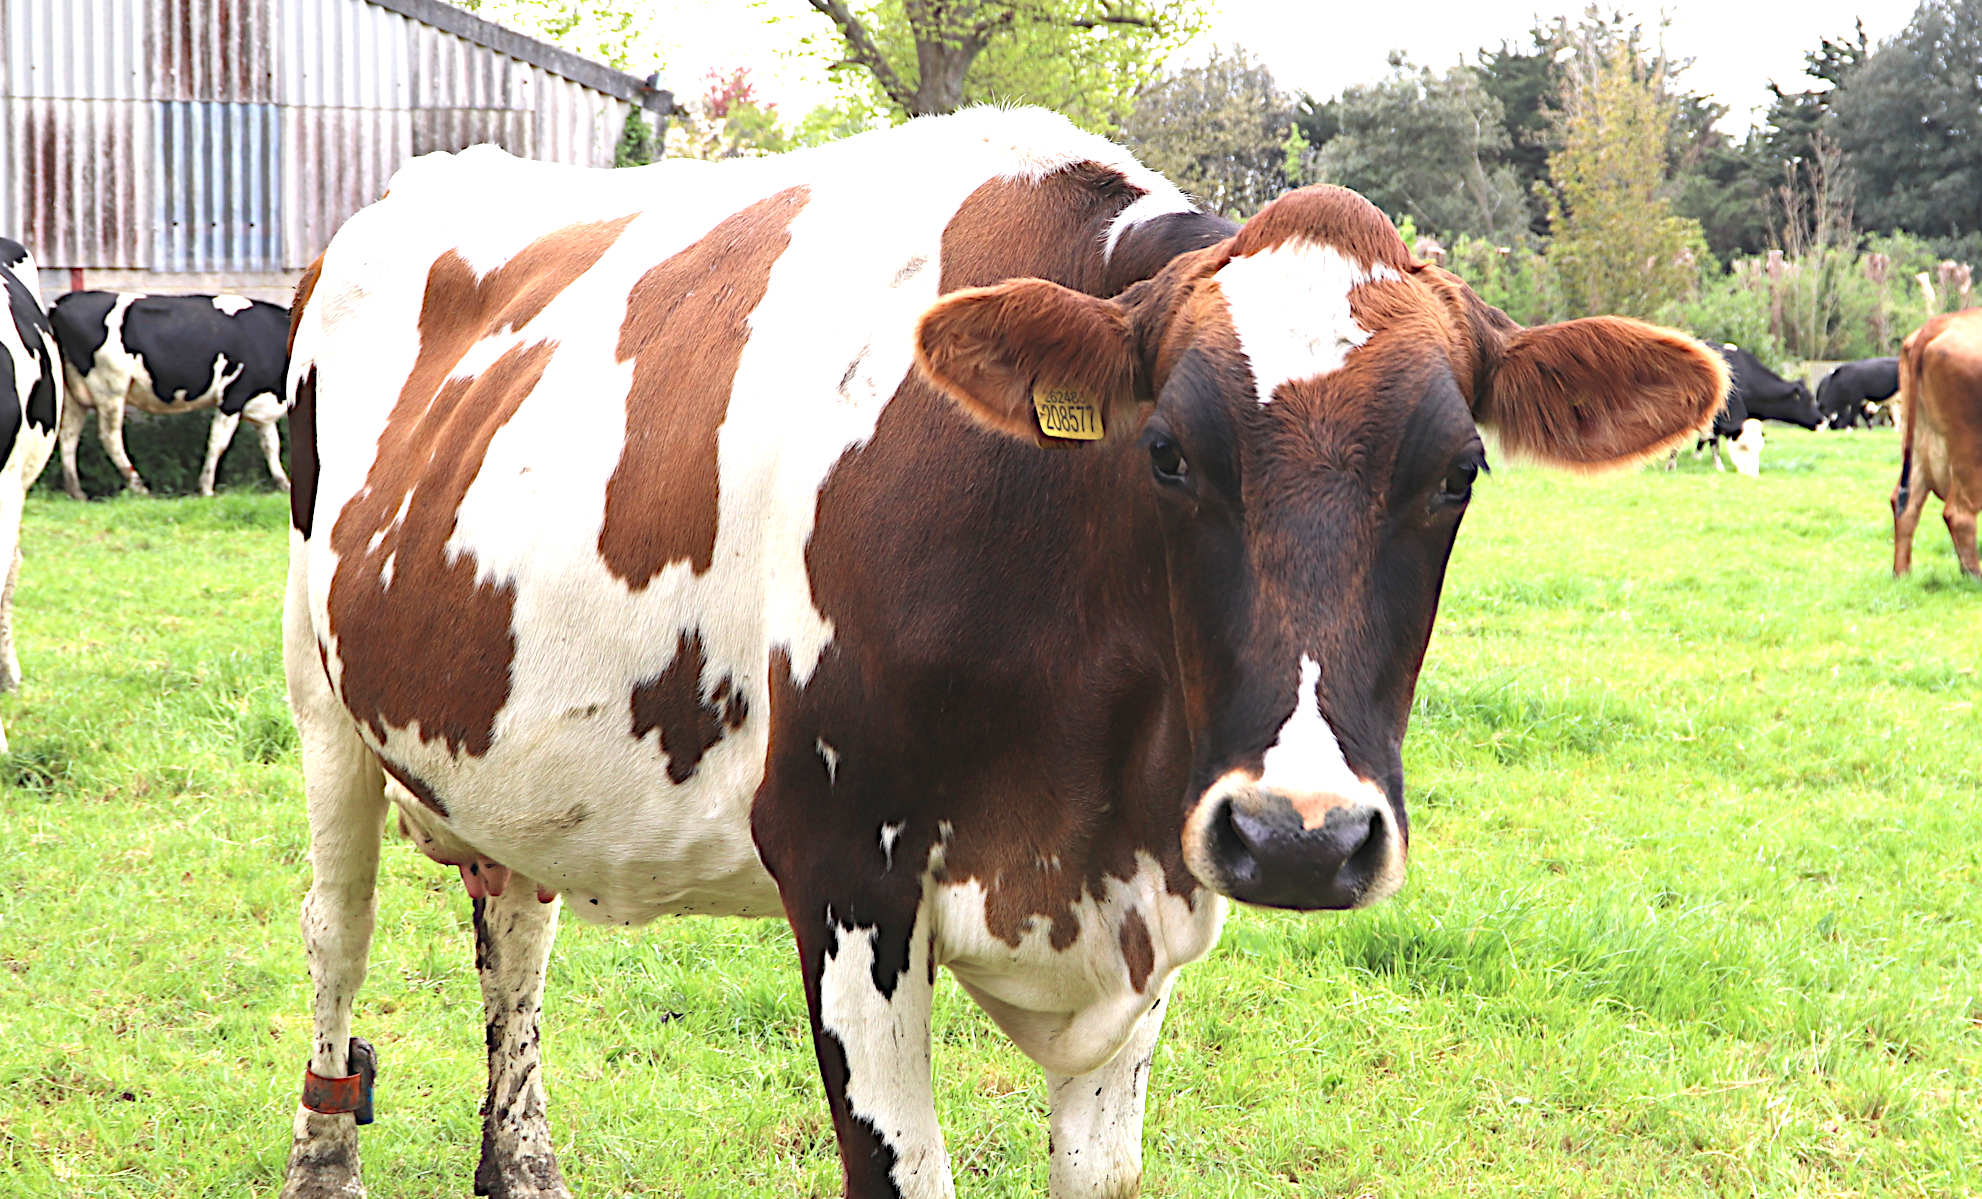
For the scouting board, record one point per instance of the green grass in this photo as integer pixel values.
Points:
(1695, 903)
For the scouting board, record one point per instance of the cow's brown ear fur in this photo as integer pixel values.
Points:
(989, 347)
(1601, 391)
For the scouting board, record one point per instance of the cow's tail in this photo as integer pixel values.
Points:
(1909, 379)
(302, 404)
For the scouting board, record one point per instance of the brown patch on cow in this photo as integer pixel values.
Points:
(416, 787)
(687, 322)
(1138, 954)
(1048, 229)
(303, 454)
(434, 646)
(1328, 216)
(305, 288)
(672, 702)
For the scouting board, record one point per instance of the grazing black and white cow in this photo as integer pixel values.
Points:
(1854, 393)
(1756, 394)
(813, 536)
(171, 353)
(30, 409)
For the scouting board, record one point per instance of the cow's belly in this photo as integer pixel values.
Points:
(570, 805)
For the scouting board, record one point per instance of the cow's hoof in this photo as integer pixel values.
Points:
(323, 1159)
(137, 487)
(74, 493)
(529, 1177)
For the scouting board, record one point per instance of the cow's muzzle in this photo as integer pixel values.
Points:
(1306, 851)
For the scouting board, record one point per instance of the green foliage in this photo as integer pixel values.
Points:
(1907, 120)
(1691, 906)
(1616, 245)
(1728, 308)
(168, 452)
(619, 33)
(1224, 132)
(1430, 145)
(637, 144)
(1517, 279)
(1084, 58)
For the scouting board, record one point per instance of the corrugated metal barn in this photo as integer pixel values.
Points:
(191, 144)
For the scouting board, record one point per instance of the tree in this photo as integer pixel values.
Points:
(1430, 146)
(603, 30)
(1795, 118)
(1617, 245)
(1085, 58)
(1521, 82)
(1910, 124)
(1222, 132)
(728, 121)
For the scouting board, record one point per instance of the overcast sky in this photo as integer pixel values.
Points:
(1737, 46)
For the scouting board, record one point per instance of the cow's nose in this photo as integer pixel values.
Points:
(1307, 851)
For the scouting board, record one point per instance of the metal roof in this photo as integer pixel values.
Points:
(596, 76)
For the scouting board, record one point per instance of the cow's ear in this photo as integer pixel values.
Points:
(1032, 360)
(1601, 391)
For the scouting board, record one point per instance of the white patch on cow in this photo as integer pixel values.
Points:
(1162, 202)
(1745, 451)
(890, 833)
(831, 757)
(1305, 757)
(886, 1040)
(232, 304)
(1289, 307)
(531, 518)
(1072, 1010)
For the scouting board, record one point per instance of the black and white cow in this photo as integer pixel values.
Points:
(167, 354)
(30, 408)
(1854, 393)
(1757, 394)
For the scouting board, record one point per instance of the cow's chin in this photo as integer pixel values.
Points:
(1306, 851)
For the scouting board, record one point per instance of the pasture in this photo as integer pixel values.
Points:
(1695, 904)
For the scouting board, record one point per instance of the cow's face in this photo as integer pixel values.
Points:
(1302, 404)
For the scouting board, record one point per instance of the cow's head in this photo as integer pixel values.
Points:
(1302, 405)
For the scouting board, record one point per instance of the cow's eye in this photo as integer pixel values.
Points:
(1167, 461)
(1458, 485)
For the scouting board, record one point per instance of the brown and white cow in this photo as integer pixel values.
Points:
(931, 599)
(1940, 388)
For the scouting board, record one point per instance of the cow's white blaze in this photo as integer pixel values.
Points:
(1289, 306)
(230, 304)
(1305, 756)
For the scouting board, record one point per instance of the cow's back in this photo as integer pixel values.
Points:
(569, 450)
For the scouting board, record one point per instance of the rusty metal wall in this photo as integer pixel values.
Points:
(236, 135)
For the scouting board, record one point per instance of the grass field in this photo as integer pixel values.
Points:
(1695, 903)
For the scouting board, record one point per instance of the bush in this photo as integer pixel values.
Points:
(1725, 308)
(1515, 279)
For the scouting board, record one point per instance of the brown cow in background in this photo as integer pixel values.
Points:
(1940, 388)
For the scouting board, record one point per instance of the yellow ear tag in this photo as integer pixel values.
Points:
(1067, 413)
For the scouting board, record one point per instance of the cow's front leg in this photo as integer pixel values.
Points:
(513, 935)
(868, 982)
(1096, 1139)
